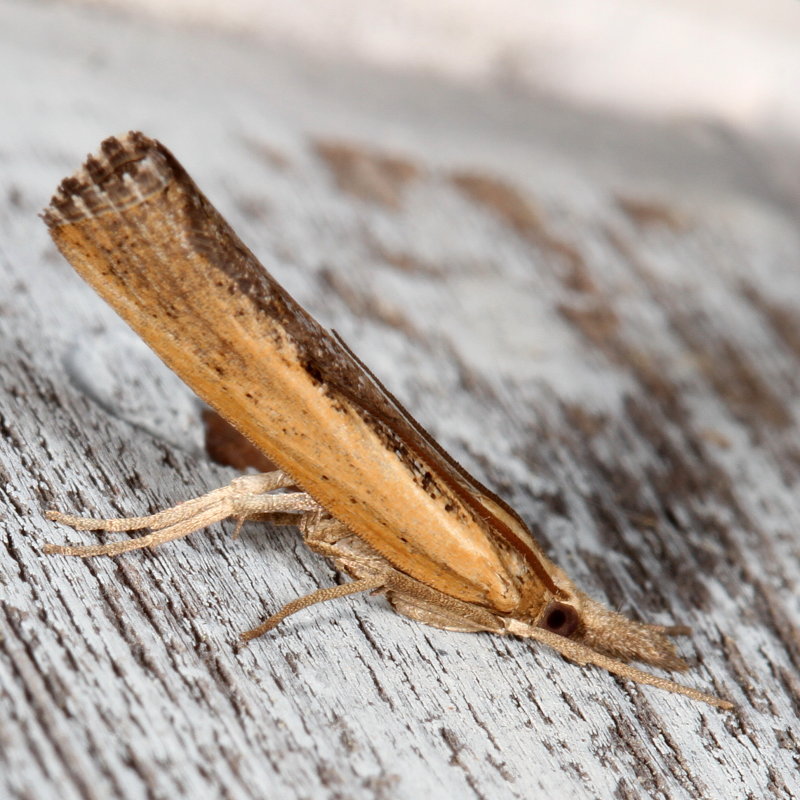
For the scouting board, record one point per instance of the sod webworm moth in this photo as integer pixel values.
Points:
(365, 484)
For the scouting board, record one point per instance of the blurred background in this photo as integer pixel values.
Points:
(736, 61)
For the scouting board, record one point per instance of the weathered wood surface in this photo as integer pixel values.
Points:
(599, 317)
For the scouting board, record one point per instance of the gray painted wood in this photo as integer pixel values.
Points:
(597, 316)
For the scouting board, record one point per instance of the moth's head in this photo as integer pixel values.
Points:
(587, 632)
(581, 619)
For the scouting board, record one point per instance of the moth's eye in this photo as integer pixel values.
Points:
(560, 618)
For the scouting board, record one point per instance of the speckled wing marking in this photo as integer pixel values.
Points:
(136, 227)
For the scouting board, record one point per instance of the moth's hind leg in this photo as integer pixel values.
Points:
(243, 498)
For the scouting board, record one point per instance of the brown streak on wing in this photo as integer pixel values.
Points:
(391, 412)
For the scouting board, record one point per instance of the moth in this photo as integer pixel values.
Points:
(362, 480)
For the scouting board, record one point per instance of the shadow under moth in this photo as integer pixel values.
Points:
(361, 479)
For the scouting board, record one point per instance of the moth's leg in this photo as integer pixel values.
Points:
(243, 485)
(324, 534)
(330, 537)
(243, 498)
(320, 596)
(434, 615)
(420, 602)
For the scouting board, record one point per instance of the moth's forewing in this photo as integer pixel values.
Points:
(136, 227)
(141, 233)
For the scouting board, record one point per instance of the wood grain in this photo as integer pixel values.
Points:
(597, 316)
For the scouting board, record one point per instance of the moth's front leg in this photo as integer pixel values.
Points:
(246, 497)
